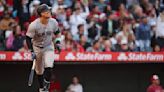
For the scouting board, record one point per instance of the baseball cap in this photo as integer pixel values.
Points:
(154, 77)
(124, 41)
(43, 8)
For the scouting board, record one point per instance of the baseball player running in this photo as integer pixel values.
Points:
(39, 40)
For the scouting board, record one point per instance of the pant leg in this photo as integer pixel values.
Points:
(147, 45)
(141, 45)
(39, 63)
(48, 58)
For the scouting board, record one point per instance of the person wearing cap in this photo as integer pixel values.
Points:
(124, 46)
(155, 85)
(39, 41)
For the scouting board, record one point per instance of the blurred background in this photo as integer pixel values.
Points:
(87, 26)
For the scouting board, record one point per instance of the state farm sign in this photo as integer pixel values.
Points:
(90, 57)
(140, 57)
(85, 56)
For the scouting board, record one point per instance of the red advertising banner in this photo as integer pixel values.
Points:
(90, 57)
(112, 56)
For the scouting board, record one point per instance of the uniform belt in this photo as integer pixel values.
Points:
(40, 47)
(43, 46)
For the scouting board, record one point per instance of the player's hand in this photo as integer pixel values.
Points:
(33, 55)
(58, 47)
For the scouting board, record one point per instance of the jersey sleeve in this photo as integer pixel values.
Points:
(31, 30)
(56, 27)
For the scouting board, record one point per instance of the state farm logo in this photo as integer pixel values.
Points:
(122, 57)
(140, 57)
(88, 56)
(17, 56)
(70, 56)
(145, 57)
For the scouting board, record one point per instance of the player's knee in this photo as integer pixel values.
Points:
(39, 72)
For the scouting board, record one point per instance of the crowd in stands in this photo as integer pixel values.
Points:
(89, 25)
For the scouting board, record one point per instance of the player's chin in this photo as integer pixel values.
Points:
(47, 17)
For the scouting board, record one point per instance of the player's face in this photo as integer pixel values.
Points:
(46, 14)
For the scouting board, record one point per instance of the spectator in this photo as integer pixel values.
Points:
(94, 28)
(18, 39)
(56, 5)
(80, 32)
(101, 4)
(132, 2)
(107, 9)
(6, 20)
(71, 45)
(78, 17)
(155, 85)
(116, 3)
(160, 31)
(75, 86)
(137, 12)
(34, 4)
(23, 12)
(83, 42)
(107, 46)
(2, 42)
(144, 39)
(95, 47)
(109, 25)
(122, 12)
(10, 36)
(123, 46)
(46, 2)
(24, 48)
(61, 13)
(126, 32)
(68, 42)
(156, 48)
(55, 85)
(2, 8)
(94, 10)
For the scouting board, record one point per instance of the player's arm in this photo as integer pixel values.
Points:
(29, 43)
(29, 35)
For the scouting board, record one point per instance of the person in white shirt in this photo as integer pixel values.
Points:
(79, 17)
(75, 86)
(160, 29)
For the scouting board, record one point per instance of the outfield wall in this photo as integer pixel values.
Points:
(114, 77)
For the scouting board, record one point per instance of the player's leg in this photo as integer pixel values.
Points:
(39, 68)
(49, 61)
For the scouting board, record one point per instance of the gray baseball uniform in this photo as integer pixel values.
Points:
(42, 43)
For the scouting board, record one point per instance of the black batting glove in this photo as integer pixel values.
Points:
(58, 45)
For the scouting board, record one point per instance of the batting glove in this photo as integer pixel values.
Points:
(33, 55)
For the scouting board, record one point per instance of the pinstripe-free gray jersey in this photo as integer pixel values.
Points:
(42, 34)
